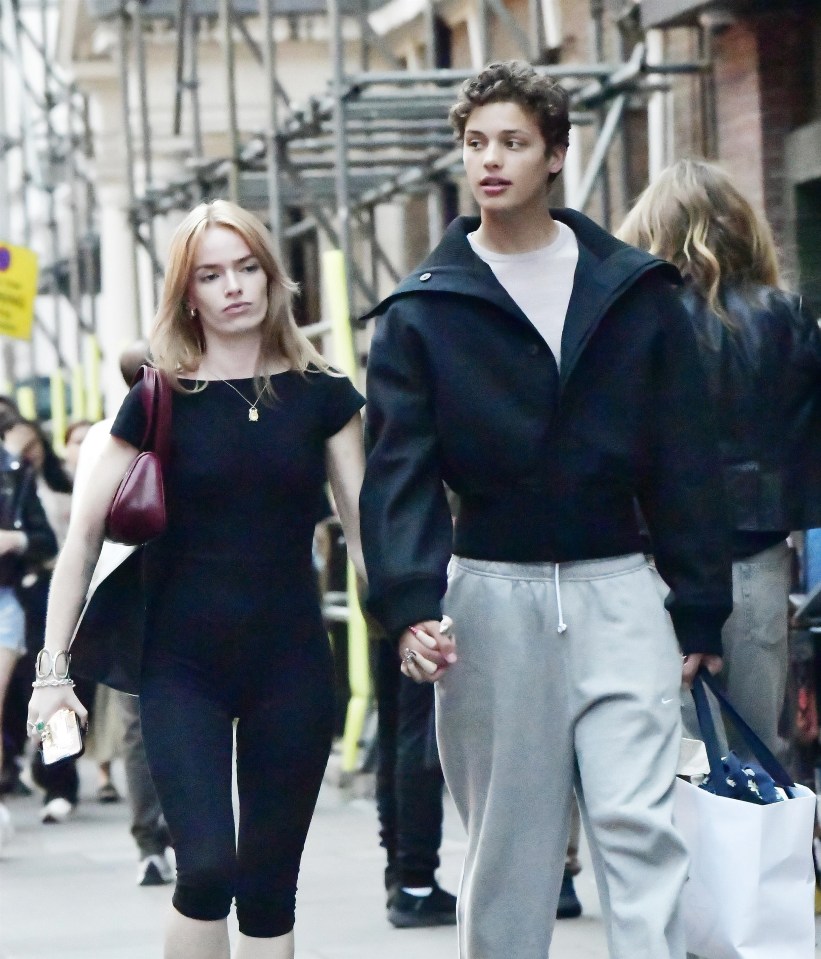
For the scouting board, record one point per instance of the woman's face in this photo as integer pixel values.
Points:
(228, 287)
(73, 443)
(21, 441)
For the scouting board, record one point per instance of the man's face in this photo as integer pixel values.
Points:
(505, 159)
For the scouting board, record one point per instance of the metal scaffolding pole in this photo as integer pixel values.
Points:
(343, 194)
(271, 150)
(145, 133)
(597, 20)
(6, 145)
(48, 178)
(179, 78)
(128, 140)
(435, 198)
(89, 250)
(231, 94)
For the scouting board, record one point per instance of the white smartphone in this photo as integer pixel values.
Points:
(62, 737)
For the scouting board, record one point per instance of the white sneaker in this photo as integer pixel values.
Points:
(56, 810)
(155, 870)
(6, 828)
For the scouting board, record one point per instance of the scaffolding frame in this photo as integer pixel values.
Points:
(373, 135)
(51, 139)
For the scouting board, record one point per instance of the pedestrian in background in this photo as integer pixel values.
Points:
(761, 350)
(25, 537)
(546, 372)
(233, 628)
(409, 786)
(28, 441)
(148, 826)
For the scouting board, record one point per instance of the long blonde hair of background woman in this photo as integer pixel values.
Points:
(693, 215)
(177, 342)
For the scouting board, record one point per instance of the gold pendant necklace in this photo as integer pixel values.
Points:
(253, 412)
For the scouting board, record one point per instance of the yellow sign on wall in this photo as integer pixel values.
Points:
(18, 287)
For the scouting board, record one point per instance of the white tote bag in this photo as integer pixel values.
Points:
(751, 883)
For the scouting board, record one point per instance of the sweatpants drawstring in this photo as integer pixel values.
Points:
(562, 627)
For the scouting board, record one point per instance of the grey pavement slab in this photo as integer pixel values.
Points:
(68, 891)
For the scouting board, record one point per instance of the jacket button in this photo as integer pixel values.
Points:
(425, 276)
(533, 349)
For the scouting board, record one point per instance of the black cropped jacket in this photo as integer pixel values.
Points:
(547, 463)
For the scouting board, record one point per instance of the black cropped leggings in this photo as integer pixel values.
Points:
(283, 736)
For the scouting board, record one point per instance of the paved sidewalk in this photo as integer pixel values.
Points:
(68, 891)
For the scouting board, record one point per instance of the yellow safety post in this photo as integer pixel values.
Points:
(59, 420)
(94, 398)
(78, 393)
(359, 675)
(26, 402)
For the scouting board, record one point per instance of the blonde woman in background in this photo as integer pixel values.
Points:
(761, 349)
(233, 628)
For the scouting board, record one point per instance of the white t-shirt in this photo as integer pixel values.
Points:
(539, 282)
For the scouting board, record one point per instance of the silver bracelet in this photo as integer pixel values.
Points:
(40, 683)
(47, 665)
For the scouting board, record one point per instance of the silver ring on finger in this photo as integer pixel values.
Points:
(408, 655)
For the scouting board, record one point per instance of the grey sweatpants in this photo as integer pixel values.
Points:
(527, 711)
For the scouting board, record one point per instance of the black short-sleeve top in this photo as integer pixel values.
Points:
(244, 491)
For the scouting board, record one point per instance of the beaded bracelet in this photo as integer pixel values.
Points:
(40, 683)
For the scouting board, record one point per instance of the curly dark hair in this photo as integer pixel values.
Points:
(514, 81)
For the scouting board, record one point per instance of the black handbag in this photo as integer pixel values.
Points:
(107, 645)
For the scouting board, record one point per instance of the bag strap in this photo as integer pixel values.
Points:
(156, 397)
(708, 731)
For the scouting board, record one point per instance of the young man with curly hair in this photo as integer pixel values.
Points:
(546, 373)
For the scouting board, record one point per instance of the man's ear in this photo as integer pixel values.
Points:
(557, 157)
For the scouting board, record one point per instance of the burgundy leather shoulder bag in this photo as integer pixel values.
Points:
(137, 513)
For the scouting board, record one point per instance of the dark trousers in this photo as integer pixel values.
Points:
(409, 778)
(147, 821)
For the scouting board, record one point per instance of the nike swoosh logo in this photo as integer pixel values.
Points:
(665, 701)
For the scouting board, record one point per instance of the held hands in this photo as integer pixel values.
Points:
(427, 649)
(691, 664)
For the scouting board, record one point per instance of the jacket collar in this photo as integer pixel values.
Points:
(605, 270)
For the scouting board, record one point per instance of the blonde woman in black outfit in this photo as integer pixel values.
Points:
(761, 350)
(234, 628)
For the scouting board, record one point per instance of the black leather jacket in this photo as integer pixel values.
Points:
(764, 377)
(20, 509)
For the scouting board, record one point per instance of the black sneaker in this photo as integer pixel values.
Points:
(155, 870)
(406, 911)
(569, 906)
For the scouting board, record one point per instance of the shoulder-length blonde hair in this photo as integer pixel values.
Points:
(693, 215)
(177, 342)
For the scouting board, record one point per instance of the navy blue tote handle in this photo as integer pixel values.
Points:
(708, 730)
